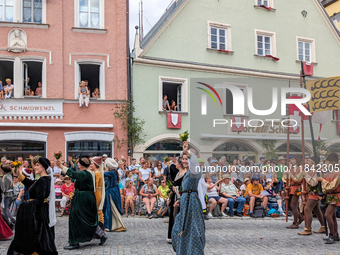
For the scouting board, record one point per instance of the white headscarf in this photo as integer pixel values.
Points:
(51, 201)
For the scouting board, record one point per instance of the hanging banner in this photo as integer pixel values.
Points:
(325, 94)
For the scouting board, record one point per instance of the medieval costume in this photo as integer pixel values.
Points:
(113, 205)
(188, 234)
(34, 228)
(312, 204)
(176, 179)
(331, 187)
(100, 188)
(5, 231)
(293, 180)
(83, 218)
(6, 186)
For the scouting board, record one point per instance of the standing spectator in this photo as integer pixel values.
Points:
(201, 163)
(232, 194)
(6, 186)
(144, 174)
(38, 90)
(164, 192)
(158, 172)
(235, 171)
(1, 91)
(213, 197)
(277, 177)
(3, 160)
(122, 172)
(83, 95)
(152, 158)
(73, 163)
(166, 106)
(252, 195)
(130, 195)
(55, 171)
(135, 178)
(18, 190)
(66, 190)
(133, 164)
(213, 171)
(262, 162)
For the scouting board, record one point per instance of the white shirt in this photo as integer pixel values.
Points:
(145, 173)
(55, 170)
(157, 172)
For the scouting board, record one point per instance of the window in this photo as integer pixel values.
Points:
(90, 14)
(6, 78)
(6, 10)
(32, 81)
(32, 11)
(93, 72)
(89, 148)
(334, 117)
(264, 45)
(14, 149)
(229, 100)
(263, 2)
(306, 49)
(175, 90)
(218, 38)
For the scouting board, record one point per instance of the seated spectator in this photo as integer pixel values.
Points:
(149, 193)
(1, 91)
(135, 177)
(166, 106)
(38, 90)
(243, 188)
(231, 192)
(164, 192)
(173, 106)
(273, 196)
(66, 191)
(96, 93)
(129, 177)
(84, 94)
(252, 195)
(8, 89)
(130, 195)
(57, 185)
(213, 197)
(121, 191)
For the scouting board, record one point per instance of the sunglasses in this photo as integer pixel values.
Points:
(162, 182)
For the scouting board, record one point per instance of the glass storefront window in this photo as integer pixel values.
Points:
(89, 148)
(166, 145)
(13, 149)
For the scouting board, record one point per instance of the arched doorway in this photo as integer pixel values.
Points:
(294, 148)
(234, 150)
(165, 148)
(334, 148)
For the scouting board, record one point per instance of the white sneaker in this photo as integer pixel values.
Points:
(210, 216)
(224, 215)
(80, 105)
(169, 240)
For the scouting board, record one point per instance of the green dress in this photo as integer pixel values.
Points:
(83, 219)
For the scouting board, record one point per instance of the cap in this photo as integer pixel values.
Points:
(262, 158)
(104, 156)
(200, 160)
(290, 156)
(281, 158)
(213, 161)
(246, 179)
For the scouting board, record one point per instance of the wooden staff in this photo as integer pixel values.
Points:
(287, 184)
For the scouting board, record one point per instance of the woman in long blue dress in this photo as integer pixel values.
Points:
(112, 205)
(188, 233)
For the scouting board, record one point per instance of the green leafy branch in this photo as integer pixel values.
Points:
(269, 146)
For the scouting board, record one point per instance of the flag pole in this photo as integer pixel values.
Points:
(287, 185)
(316, 158)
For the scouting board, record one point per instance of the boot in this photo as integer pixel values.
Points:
(293, 226)
(322, 230)
(301, 219)
(306, 232)
(72, 247)
(103, 239)
(330, 239)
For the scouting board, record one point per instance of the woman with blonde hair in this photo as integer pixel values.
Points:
(149, 193)
(84, 94)
(130, 195)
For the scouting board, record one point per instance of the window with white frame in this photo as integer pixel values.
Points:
(218, 38)
(32, 11)
(32, 78)
(264, 45)
(90, 13)
(336, 117)
(263, 2)
(173, 94)
(305, 51)
(6, 10)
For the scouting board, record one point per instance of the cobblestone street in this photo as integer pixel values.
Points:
(223, 236)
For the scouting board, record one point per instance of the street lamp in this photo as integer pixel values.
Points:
(304, 13)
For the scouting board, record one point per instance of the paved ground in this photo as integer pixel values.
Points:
(223, 236)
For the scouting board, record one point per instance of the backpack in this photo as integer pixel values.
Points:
(259, 211)
(217, 211)
(338, 212)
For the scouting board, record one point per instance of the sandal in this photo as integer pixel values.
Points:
(126, 215)
(133, 214)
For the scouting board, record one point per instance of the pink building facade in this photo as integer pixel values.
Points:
(60, 43)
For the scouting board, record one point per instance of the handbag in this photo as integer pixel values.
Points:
(272, 200)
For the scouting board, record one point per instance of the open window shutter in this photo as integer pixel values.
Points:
(179, 98)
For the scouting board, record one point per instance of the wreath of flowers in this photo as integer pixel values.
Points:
(313, 190)
(297, 192)
(332, 200)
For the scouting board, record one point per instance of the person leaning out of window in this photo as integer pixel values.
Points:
(165, 104)
(95, 93)
(173, 106)
(8, 89)
(84, 95)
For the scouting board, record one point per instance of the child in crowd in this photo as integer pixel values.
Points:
(129, 177)
(135, 177)
(57, 185)
(269, 188)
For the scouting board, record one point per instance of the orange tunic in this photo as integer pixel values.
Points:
(335, 192)
(98, 194)
(293, 186)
